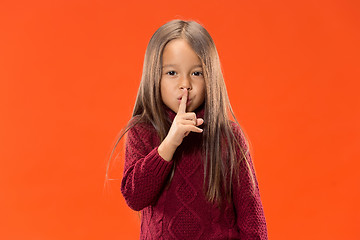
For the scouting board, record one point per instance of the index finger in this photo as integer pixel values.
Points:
(182, 106)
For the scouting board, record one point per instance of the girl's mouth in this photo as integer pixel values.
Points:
(187, 102)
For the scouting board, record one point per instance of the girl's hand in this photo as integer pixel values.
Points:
(184, 123)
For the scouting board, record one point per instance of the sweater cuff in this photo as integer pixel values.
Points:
(157, 165)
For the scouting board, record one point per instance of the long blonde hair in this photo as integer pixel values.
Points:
(219, 169)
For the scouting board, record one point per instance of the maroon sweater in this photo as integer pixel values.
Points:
(180, 210)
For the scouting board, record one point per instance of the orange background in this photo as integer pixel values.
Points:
(69, 74)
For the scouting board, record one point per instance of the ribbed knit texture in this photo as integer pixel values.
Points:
(180, 210)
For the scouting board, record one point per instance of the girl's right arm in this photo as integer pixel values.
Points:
(146, 168)
(145, 171)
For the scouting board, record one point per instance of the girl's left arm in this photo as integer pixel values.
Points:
(250, 216)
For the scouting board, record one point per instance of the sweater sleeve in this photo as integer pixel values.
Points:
(250, 216)
(145, 171)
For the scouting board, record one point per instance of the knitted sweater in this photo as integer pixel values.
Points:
(180, 210)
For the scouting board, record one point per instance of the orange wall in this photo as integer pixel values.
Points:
(69, 73)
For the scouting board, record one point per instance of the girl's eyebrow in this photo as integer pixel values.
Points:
(175, 65)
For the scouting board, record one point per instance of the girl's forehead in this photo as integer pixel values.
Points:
(178, 52)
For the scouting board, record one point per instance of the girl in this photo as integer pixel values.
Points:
(187, 165)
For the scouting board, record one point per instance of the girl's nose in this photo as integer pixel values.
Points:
(185, 83)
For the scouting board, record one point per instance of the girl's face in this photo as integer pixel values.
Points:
(181, 69)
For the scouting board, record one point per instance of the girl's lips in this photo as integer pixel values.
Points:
(187, 103)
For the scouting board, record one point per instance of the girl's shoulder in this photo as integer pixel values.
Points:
(140, 126)
(236, 129)
(239, 134)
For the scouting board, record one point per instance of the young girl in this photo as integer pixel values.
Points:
(187, 165)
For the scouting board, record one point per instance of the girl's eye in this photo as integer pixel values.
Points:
(171, 73)
(197, 73)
